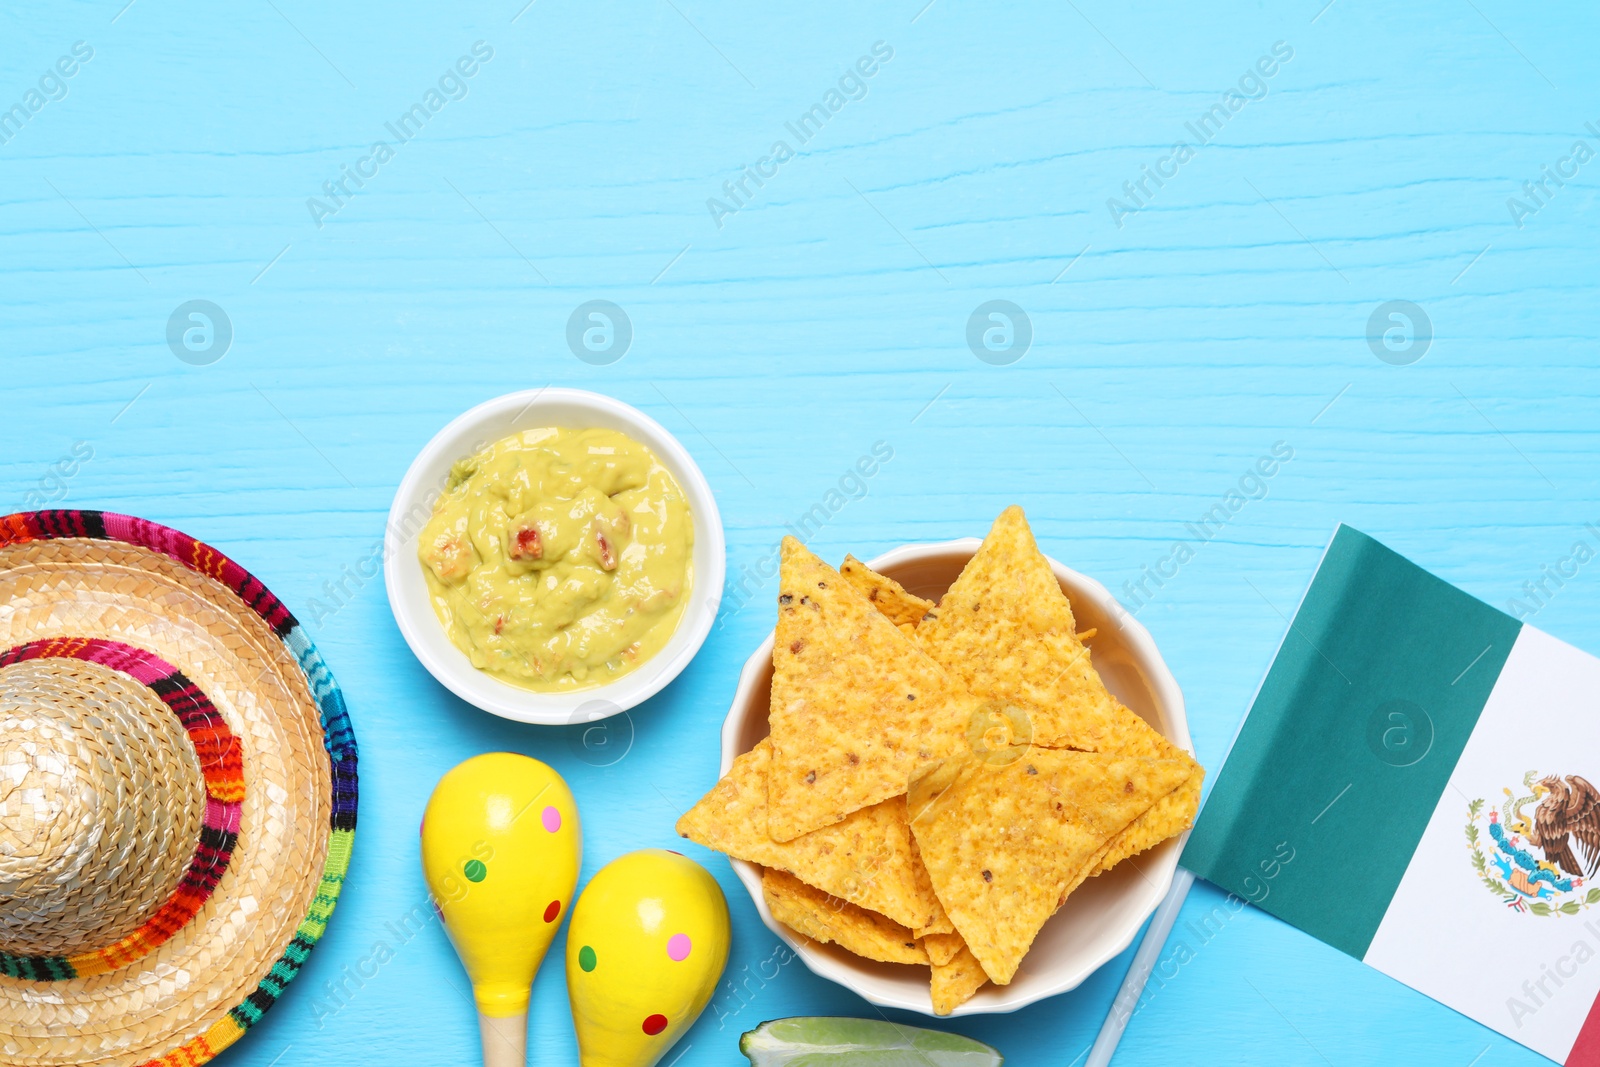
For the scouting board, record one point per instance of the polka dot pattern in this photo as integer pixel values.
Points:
(678, 947)
(475, 871)
(553, 911)
(655, 1024)
(586, 958)
(551, 819)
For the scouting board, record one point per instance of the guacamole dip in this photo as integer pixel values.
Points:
(559, 559)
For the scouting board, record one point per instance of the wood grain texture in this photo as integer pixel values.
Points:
(827, 314)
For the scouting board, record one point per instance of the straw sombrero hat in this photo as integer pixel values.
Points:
(177, 794)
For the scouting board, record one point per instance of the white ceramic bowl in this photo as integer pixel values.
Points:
(408, 590)
(1102, 916)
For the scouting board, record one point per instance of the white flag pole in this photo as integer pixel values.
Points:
(1144, 961)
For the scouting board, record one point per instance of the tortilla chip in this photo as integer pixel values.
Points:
(1006, 842)
(938, 922)
(942, 948)
(1006, 630)
(887, 595)
(855, 705)
(865, 860)
(809, 911)
(1167, 817)
(955, 981)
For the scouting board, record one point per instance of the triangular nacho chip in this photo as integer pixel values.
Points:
(1171, 815)
(865, 860)
(884, 593)
(808, 910)
(1006, 630)
(1167, 817)
(855, 705)
(1005, 842)
(955, 980)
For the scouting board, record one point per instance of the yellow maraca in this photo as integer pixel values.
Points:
(646, 946)
(501, 846)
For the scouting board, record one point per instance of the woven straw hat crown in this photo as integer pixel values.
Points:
(102, 800)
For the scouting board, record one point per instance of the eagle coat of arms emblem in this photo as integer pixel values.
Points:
(1538, 862)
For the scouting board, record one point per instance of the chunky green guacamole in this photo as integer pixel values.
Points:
(559, 559)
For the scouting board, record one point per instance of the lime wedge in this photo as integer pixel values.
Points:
(817, 1041)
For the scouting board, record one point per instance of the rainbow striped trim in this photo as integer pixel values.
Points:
(221, 764)
(338, 738)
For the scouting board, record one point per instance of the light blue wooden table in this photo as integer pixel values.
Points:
(1373, 153)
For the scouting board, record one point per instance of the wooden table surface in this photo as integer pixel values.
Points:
(1190, 309)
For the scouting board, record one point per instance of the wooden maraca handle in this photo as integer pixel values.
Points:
(505, 1040)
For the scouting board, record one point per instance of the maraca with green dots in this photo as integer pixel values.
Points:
(646, 946)
(501, 847)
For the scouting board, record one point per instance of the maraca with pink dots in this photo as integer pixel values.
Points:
(646, 946)
(501, 849)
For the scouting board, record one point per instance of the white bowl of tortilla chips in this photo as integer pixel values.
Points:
(1031, 849)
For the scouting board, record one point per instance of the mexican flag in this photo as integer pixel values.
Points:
(1413, 787)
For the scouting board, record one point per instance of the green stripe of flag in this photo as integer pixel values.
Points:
(1350, 742)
